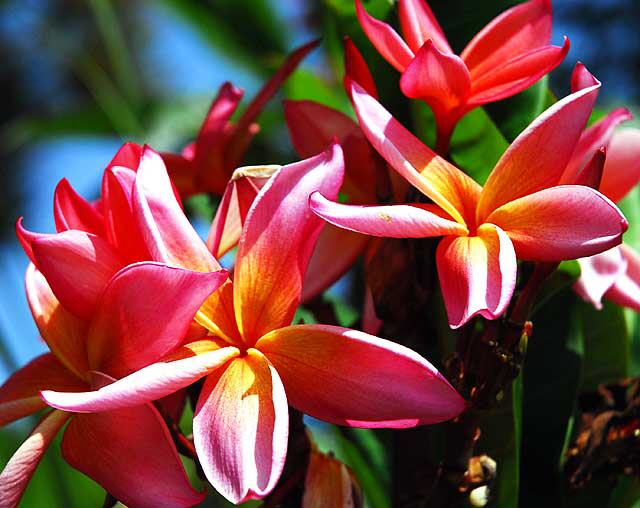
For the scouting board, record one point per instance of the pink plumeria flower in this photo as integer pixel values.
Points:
(128, 451)
(336, 374)
(520, 213)
(508, 55)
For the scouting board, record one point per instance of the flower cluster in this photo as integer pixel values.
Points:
(140, 317)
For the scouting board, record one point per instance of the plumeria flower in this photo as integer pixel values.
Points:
(508, 55)
(614, 274)
(207, 164)
(128, 451)
(336, 374)
(520, 213)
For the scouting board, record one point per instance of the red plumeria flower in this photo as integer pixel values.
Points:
(336, 374)
(510, 54)
(520, 212)
(206, 165)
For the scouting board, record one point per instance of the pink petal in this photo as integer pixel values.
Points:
(166, 230)
(565, 222)
(622, 167)
(240, 428)
(356, 68)
(525, 168)
(477, 274)
(436, 178)
(439, 78)
(188, 364)
(278, 238)
(70, 211)
(122, 228)
(351, 378)
(626, 290)
(385, 39)
(20, 394)
(596, 136)
(16, 474)
(183, 173)
(392, 221)
(598, 273)
(419, 25)
(517, 74)
(77, 266)
(314, 126)
(130, 453)
(64, 333)
(514, 32)
(327, 263)
(591, 174)
(145, 312)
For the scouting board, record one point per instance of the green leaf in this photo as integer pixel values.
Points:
(500, 439)
(626, 494)
(514, 114)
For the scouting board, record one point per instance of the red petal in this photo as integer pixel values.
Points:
(419, 25)
(71, 211)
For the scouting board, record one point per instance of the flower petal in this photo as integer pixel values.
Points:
(440, 79)
(516, 74)
(188, 364)
(71, 211)
(392, 221)
(598, 273)
(327, 263)
(167, 232)
(277, 241)
(240, 428)
(16, 474)
(314, 126)
(516, 31)
(385, 39)
(238, 196)
(131, 454)
(145, 312)
(626, 290)
(122, 229)
(525, 167)
(77, 266)
(446, 185)
(356, 68)
(596, 136)
(26, 238)
(351, 378)
(622, 167)
(477, 274)
(20, 394)
(564, 222)
(64, 333)
(419, 25)
(128, 156)
(328, 482)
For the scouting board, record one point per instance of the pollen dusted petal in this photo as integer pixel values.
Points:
(564, 222)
